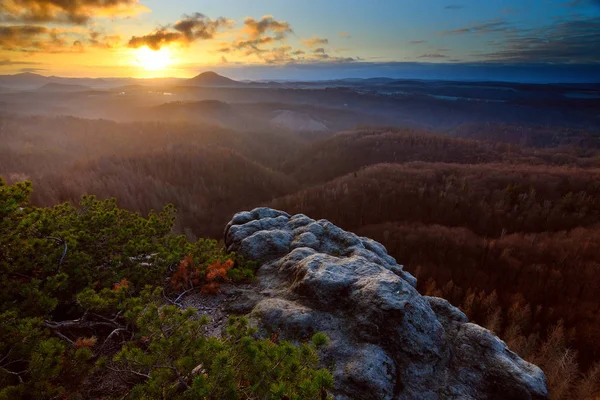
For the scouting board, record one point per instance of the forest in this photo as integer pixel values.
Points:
(501, 220)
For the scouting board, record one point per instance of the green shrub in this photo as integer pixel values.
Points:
(81, 298)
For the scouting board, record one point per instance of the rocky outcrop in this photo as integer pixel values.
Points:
(387, 340)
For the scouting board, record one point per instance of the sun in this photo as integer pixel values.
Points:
(152, 60)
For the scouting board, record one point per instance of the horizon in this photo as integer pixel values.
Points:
(519, 74)
(304, 41)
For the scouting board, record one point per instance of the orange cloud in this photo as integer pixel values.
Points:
(41, 39)
(67, 11)
(265, 41)
(255, 28)
(314, 41)
(256, 34)
(185, 31)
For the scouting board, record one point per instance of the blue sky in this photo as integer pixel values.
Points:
(384, 29)
(182, 37)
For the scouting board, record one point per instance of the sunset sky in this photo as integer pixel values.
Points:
(154, 38)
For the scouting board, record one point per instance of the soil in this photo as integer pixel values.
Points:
(232, 299)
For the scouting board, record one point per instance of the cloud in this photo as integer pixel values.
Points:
(263, 38)
(486, 27)
(67, 11)
(41, 39)
(103, 41)
(256, 28)
(252, 44)
(7, 62)
(574, 40)
(417, 41)
(265, 41)
(277, 55)
(31, 70)
(185, 31)
(432, 55)
(21, 36)
(285, 55)
(27, 38)
(345, 35)
(314, 41)
(50, 38)
(579, 3)
(199, 26)
(156, 39)
(326, 58)
(454, 7)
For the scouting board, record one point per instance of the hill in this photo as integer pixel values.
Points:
(24, 80)
(206, 184)
(349, 151)
(210, 78)
(63, 87)
(531, 136)
(489, 199)
(526, 233)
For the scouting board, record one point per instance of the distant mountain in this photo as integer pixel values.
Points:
(25, 80)
(211, 79)
(365, 80)
(63, 87)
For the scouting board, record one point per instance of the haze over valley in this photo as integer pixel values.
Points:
(319, 106)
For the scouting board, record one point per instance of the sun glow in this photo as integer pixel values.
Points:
(152, 60)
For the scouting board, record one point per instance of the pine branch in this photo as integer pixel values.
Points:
(63, 242)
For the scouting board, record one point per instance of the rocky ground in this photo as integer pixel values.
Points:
(386, 340)
(238, 299)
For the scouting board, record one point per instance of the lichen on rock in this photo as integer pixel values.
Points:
(386, 340)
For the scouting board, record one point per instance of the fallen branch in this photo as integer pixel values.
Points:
(116, 331)
(167, 298)
(183, 294)
(79, 324)
(176, 301)
(146, 376)
(63, 337)
(17, 374)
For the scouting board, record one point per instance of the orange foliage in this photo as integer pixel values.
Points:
(85, 342)
(188, 275)
(215, 273)
(123, 283)
(218, 270)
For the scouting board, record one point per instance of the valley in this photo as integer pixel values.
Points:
(488, 193)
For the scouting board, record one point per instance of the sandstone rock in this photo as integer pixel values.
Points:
(386, 340)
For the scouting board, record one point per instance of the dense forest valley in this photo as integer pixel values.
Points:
(501, 220)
